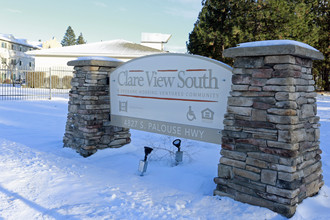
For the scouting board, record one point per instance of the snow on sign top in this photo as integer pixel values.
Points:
(99, 58)
(276, 42)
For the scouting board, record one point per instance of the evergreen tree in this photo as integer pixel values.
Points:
(80, 39)
(212, 30)
(217, 28)
(226, 23)
(322, 67)
(69, 37)
(285, 20)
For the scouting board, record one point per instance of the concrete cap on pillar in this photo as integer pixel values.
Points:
(95, 61)
(274, 47)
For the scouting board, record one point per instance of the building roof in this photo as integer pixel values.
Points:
(113, 48)
(11, 38)
(155, 38)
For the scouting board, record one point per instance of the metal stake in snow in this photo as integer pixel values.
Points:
(144, 163)
(178, 154)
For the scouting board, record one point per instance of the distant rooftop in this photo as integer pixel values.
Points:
(155, 38)
(114, 48)
(11, 38)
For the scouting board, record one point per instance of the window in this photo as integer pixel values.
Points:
(4, 45)
(20, 63)
(30, 64)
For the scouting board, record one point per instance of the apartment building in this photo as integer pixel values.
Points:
(13, 53)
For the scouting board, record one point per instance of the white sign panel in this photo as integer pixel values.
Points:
(174, 94)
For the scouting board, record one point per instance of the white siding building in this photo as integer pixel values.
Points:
(13, 53)
(119, 49)
(155, 40)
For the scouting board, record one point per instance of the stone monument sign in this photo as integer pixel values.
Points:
(266, 106)
(173, 94)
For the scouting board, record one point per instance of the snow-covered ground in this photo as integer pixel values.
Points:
(41, 180)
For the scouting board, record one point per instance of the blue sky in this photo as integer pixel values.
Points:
(100, 19)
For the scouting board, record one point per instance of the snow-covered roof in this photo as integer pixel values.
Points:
(36, 44)
(155, 37)
(11, 38)
(115, 48)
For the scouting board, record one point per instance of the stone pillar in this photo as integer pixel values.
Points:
(88, 127)
(270, 144)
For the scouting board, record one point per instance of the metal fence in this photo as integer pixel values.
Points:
(41, 83)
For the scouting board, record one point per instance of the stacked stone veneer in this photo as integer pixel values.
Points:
(270, 144)
(88, 127)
